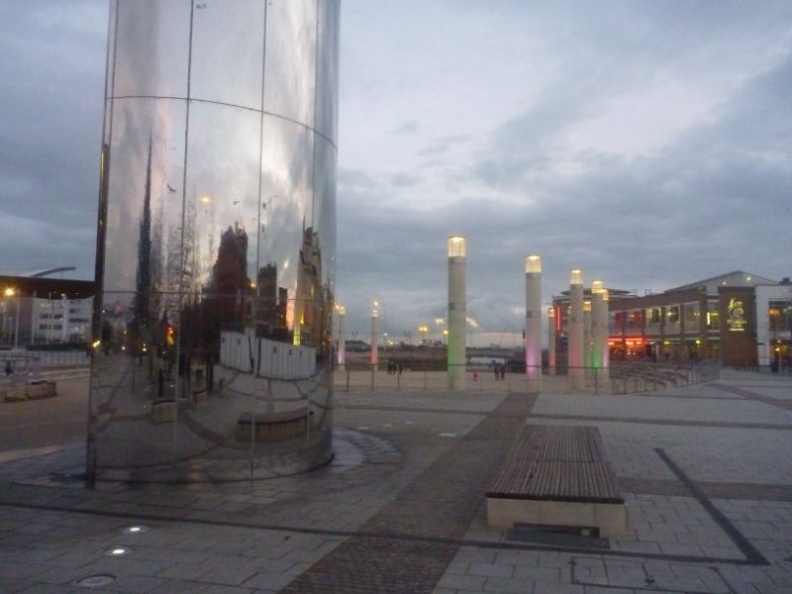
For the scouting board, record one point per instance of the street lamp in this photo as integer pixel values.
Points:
(11, 292)
(423, 330)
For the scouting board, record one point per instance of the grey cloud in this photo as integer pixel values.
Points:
(442, 145)
(408, 127)
(405, 180)
(50, 134)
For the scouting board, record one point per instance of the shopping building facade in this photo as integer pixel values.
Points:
(738, 318)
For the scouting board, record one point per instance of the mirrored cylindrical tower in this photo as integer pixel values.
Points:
(216, 243)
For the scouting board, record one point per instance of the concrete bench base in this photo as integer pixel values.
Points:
(35, 390)
(163, 412)
(610, 519)
(272, 426)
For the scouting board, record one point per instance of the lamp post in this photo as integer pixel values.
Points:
(11, 292)
(341, 335)
(441, 332)
(6, 294)
(533, 322)
(457, 312)
(423, 330)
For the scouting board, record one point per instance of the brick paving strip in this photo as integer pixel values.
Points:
(407, 546)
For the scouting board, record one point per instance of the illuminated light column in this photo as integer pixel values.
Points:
(341, 336)
(606, 342)
(599, 330)
(457, 312)
(587, 336)
(551, 340)
(533, 322)
(374, 336)
(575, 353)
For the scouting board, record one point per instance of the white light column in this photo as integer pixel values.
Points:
(587, 337)
(457, 312)
(551, 340)
(599, 330)
(575, 353)
(374, 336)
(533, 322)
(341, 336)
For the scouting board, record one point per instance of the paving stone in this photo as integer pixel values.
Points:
(405, 514)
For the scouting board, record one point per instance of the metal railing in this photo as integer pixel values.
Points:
(620, 378)
(25, 366)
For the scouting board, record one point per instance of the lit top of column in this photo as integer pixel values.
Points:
(533, 264)
(375, 309)
(341, 310)
(597, 287)
(457, 247)
(576, 277)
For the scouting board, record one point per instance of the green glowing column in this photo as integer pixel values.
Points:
(599, 330)
(457, 312)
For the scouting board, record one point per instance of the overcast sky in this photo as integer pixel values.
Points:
(648, 143)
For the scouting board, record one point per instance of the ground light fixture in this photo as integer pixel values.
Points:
(118, 552)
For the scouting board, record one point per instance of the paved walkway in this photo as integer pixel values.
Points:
(706, 472)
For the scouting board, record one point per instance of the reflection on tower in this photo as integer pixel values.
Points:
(308, 305)
(271, 306)
(140, 325)
(229, 274)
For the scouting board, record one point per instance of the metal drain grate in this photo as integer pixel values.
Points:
(558, 536)
(95, 581)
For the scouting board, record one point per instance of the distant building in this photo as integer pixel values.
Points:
(740, 318)
(61, 321)
(40, 311)
(357, 346)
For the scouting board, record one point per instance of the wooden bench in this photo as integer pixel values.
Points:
(557, 475)
(272, 426)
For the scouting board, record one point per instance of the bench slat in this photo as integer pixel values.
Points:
(558, 463)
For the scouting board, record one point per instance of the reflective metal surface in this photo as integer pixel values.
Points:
(216, 243)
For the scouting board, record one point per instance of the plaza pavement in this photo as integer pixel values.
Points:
(706, 471)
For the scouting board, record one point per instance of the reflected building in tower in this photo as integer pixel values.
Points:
(216, 243)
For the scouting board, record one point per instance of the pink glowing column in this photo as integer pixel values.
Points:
(374, 336)
(575, 354)
(533, 322)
